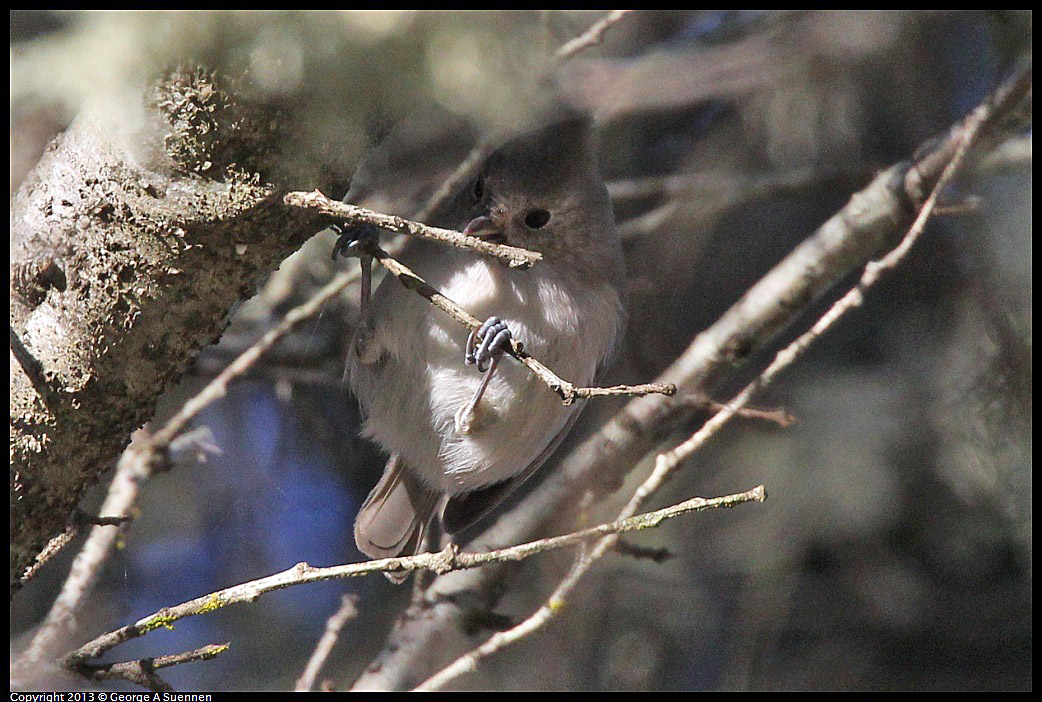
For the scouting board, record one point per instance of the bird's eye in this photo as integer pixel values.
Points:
(479, 188)
(537, 219)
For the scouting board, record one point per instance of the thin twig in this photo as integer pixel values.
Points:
(553, 605)
(142, 671)
(775, 416)
(473, 161)
(667, 462)
(466, 170)
(132, 471)
(83, 574)
(80, 518)
(591, 37)
(137, 464)
(966, 135)
(877, 214)
(445, 561)
(50, 551)
(32, 367)
(218, 387)
(568, 392)
(352, 214)
(348, 610)
(55, 545)
(657, 555)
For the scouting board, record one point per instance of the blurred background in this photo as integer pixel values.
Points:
(894, 551)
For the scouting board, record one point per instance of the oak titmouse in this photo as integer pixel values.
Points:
(417, 386)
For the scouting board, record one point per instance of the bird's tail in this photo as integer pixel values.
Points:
(394, 517)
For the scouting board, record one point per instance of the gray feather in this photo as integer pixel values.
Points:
(393, 519)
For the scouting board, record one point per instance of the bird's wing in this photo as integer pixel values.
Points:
(393, 518)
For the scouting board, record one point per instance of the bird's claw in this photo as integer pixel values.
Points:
(485, 346)
(352, 240)
(487, 343)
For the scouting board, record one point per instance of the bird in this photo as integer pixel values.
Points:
(464, 431)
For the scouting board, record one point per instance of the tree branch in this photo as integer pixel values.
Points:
(132, 471)
(875, 216)
(348, 610)
(568, 392)
(962, 137)
(143, 671)
(156, 219)
(591, 37)
(135, 466)
(446, 561)
(353, 214)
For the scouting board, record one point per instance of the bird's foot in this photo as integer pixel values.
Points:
(485, 345)
(351, 241)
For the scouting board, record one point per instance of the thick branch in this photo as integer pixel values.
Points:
(144, 226)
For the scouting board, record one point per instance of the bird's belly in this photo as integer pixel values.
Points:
(412, 410)
(516, 419)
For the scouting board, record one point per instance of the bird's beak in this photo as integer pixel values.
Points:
(485, 228)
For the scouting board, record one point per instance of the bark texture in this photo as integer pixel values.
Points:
(131, 242)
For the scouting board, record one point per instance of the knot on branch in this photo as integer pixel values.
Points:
(446, 560)
(567, 392)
